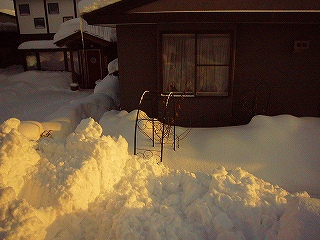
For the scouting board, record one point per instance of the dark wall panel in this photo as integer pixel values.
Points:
(137, 52)
(266, 64)
(270, 77)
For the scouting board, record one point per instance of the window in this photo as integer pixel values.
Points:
(67, 18)
(39, 23)
(31, 60)
(53, 8)
(24, 9)
(196, 64)
(52, 61)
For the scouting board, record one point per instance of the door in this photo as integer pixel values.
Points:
(91, 63)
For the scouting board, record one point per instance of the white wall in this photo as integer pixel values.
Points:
(66, 8)
(26, 23)
(37, 10)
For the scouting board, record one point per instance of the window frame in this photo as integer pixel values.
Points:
(67, 18)
(53, 8)
(39, 26)
(196, 92)
(21, 6)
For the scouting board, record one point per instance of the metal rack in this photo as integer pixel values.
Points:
(157, 124)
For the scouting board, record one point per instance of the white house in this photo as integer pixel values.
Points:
(41, 19)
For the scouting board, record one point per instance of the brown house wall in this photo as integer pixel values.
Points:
(137, 53)
(267, 65)
(209, 5)
(269, 77)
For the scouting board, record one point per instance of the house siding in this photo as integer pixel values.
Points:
(267, 65)
(66, 8)
(38, 9)
(266, 72)
(137, 53)
(26, 23)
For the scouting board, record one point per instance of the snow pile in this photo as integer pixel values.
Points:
(9, 71)
(59, 178)
(45, 98)
(283, 150)
(87, 186)
(32, 82)
(67, 28)
(301, 219)
(154, 202)
(33, 95)
(65, 120)
(109, 86)
(91, 5)
(18, 156)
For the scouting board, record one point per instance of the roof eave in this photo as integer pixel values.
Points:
(67, 41)
(187, 17)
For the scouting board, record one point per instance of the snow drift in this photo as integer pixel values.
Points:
(88, 186)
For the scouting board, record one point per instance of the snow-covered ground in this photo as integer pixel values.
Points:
(82, 181)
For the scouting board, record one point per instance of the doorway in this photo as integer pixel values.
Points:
(91, 67)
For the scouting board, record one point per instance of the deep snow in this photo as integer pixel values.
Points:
(82, 181)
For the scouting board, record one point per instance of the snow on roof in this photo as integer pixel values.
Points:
(69, 27)
(38, 44)
(91, 5)
(8, 27)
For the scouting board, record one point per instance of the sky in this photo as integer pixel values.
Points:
(6, 6)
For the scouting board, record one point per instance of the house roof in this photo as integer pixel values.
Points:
(76, 39)
(157, 11)
(70, 27)
(40, 45)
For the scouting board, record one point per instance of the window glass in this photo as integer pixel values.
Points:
(31, 59)
(76, 62)
(24, 9)
(178, 62)
(213, 49)
(67, 18)
(196, 63)
(39, 23)
(213, 57)
(212, 80)
(53, 8)
(52, 61)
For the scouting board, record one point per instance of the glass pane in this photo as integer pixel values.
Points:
(24, 9)
(39, 23)
(31, 60)
(52, 61)
(178, 62)
(213, 49)
(67, 18)
(53, 8)
(213, 79)
(76, 62)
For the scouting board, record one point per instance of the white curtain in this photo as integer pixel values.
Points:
(213, 59)
(187, 56)
(178, 62)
